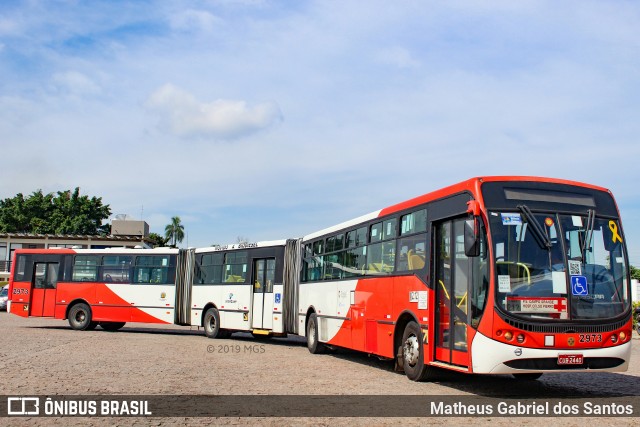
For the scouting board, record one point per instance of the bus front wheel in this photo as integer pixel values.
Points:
(413, 353)
(80, 317)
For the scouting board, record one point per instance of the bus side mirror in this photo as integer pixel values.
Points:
(472, 237)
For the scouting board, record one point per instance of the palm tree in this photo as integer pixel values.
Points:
(174, 231)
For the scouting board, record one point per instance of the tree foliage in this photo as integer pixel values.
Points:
(635, 272)
(174, 232)
(67, 212)
(157, 240)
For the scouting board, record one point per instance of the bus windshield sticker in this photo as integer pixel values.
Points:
(559, 279)
(511, 219)
(504, 283)
(577, 220)
(575, 268)
(537, 305)
(579, 285)
(615, 237)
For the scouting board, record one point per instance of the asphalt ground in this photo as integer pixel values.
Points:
(44, 357)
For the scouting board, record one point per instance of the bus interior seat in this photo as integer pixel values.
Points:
(415, 261)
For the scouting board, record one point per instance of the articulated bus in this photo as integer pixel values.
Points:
(494, 275)
(237, 286)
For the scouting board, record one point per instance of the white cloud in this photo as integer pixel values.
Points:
(185, 116)
(397, 56)
(191, 20)
(75, 83)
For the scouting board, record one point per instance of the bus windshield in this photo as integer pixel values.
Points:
(567, 267)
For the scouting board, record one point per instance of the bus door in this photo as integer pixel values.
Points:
(451, 284)
(264, 274)
(43, 289)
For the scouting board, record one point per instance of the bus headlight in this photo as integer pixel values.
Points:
(508, 335)
(623, 336)
(614, 338)
(520, 338)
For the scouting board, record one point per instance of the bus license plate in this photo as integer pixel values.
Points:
(570, 359)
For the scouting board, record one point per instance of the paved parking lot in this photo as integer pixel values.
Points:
(45, 357)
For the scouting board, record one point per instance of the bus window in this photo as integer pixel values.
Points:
(153, 270)
(334, 243)
(381, 258)
(333, 266)
(389, 229)
(115, 269)
(210, 271)
(412, 252)
(355, 261)
(235, 267)
(85, 268)
(356, 237)
(376, 232)
(312, 268)
(413, 222)
(20, 272)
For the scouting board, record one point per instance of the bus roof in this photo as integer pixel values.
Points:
(237, 246)
(471, 185)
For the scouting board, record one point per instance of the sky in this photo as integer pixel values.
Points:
(274, 119)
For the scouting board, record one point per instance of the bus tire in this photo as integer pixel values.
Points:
(528, 376)
(80, 317)
(413, 353)
(112, 326)
(212, 323)
(313, 344)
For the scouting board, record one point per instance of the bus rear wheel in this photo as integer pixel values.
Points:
(112, 326)
(313, 344)
(80, 317)
(413, 353)
(211, 323)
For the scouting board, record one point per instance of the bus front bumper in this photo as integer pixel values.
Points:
(493, 357)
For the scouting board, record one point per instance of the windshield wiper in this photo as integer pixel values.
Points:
(591, 219)
(541, 237)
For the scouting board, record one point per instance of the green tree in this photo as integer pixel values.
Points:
(65, 213)
(157, 240)
(635, 272)
(174, 232)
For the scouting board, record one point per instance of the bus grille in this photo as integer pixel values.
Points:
(551, 364)
(564, 329)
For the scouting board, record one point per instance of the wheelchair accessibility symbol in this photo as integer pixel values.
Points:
(579, 285)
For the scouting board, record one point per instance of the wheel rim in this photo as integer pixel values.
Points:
(411, 350)
(81, 316)
(312, 334)
(211, 323)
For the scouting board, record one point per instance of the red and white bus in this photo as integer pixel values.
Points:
(231, 288)
(494, 275)
(106, 287)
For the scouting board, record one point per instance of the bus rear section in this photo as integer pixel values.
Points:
(33, 283)
(105, 287)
